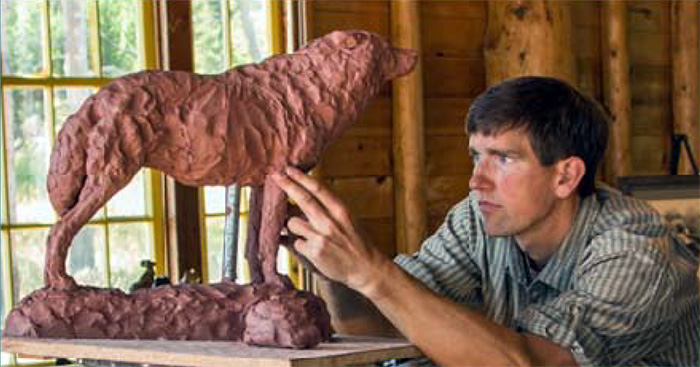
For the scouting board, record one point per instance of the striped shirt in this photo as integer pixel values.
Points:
(621, 289)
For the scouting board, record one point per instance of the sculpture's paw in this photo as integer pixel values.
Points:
(281, 281)
(291, 319)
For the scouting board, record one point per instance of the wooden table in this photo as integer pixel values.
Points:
(342, 351)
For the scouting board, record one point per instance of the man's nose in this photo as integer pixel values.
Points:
(480, 179)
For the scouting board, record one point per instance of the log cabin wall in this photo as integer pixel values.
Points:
(649, 37)
(359, 166)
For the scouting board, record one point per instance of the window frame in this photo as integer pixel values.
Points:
(48, 83)
(275, 35)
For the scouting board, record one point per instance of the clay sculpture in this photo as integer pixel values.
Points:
(236, 127)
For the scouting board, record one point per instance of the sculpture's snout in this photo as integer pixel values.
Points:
(400, 62)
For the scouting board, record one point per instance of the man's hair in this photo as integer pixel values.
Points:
(560, 121)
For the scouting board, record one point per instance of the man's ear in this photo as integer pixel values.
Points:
(570, 172)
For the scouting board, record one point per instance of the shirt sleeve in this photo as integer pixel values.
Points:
(624, 303)
(445, 261)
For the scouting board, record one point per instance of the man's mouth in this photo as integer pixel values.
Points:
(488, 206)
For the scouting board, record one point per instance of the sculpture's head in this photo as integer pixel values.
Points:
(374, 54)
(353, 66)
(364, 54)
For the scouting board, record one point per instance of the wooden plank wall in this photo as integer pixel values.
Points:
(650, 82)
(359, 166)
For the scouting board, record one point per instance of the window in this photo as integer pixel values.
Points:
(56, 53)
(228, 33)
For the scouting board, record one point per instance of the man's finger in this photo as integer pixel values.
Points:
(299, 243)
(301, 228)
(303, 198)
(321, 193)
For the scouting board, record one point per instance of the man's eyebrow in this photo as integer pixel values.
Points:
(498, 152)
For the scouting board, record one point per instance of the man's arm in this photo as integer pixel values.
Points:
(453, 335)
(445, 331)
(352, 313)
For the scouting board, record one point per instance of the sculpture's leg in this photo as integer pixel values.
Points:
(93, 195)
(252, 247)
(275, 213)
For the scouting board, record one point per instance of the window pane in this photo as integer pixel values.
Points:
(27, 151)
(214, 199)
(249, 31)
(129, 243)
(23, 45)
(245, 199)
(71, 45)
(215, 247)
(6, 358)
(118, 36)
(131, 200)
(86, 257)
(28, 249)
(67, 101)
(209, 53)
(242, 271)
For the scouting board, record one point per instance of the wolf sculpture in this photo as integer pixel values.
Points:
(234, 128)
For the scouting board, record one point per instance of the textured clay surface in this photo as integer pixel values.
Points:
(261, 314)
(235, 127)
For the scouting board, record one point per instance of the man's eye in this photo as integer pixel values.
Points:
(504, 159)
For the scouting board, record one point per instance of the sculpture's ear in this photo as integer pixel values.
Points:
(350, 42)
(354, 39)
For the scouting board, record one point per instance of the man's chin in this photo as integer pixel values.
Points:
(497, 232)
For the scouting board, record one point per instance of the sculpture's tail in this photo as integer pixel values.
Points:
(67, 169)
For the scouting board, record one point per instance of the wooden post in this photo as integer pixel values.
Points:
(617, 88)
(685, 64)
(183, 210)
(410, 213)
(528, 37)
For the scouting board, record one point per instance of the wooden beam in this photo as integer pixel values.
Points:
(617, 88)
(528, 37)
(408, 146)
(685, 65)
(183, 209)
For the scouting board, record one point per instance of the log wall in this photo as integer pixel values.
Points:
(360, 166)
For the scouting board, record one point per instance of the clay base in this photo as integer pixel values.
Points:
(260, 314)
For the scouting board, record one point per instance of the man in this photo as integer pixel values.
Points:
(537, 266)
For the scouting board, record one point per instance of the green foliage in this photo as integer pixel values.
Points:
(247, 27)
(28, 142)
(209, 52)
(22, 42)
(118, 36)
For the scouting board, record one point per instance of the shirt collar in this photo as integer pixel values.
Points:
(559, 270)
(560, 267)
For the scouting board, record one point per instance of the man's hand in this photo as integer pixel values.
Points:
(445, 331)
(329, 238)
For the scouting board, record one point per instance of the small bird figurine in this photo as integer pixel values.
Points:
(190, 276)
(146, 279)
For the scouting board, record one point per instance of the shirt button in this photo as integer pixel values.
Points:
(549, 330)
(575, 309)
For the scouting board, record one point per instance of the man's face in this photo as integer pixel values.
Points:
(516, 193)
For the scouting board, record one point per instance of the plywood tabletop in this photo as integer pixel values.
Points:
(342, 351)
